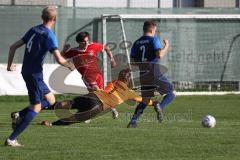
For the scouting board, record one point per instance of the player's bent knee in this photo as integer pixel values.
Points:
(50, 98)
(175, 93)
(36, 107)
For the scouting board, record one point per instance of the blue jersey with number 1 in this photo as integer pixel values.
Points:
(39, 40)
(144, 49)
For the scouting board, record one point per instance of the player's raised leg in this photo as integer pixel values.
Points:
(48, 103)
(17, 117)
(38, 93)
(24, 118)
(164, 88)
(30, 114)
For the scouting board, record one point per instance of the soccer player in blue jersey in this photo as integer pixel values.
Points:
(38, 41)
(147, 52)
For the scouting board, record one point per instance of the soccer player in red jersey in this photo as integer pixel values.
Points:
(86, 61)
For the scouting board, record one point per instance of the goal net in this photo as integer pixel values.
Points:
(203, 54)
(204, 48)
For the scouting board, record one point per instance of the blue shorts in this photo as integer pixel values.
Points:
(36, 87)
(163, 86)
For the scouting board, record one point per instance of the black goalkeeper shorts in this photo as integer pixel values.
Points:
(88, 106)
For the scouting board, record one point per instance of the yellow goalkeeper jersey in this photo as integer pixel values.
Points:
(116, 93)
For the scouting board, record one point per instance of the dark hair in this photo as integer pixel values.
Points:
(125, 75)
(81, 36)
(148, 25)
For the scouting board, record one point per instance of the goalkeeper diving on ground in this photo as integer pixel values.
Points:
(96, 103)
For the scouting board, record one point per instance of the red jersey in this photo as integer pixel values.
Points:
(86, 61)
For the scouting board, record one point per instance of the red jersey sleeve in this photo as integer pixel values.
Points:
(71, 53)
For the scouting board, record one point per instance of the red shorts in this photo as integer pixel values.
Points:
(93, 84)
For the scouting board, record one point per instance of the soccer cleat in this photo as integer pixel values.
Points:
(13, 143)
(46, 123)
(114, 113)
(15, 119)
(131, 125)
(159, 112)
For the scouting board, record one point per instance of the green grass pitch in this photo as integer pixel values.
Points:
(181, 136)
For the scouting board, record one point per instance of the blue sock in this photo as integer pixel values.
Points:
(167, 99)
(138, 111)
(23, 112)
(23, 125)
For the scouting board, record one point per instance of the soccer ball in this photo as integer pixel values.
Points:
(208, 121)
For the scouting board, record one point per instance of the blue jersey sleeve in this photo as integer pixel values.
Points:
(156, 43)
(27, 36)
(51, 42)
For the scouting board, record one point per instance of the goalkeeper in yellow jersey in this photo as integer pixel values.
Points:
(97, 102)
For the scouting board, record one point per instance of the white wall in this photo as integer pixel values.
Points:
(39, 2)
(121, 3)
(220, 3)
(101, 3)
(144, 3)
(5, 2)
(166, 4)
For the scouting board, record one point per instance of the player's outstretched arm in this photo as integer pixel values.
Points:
(110, 55)
(162, 52)
(139, 99)
(11, 54)
(62, 61)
